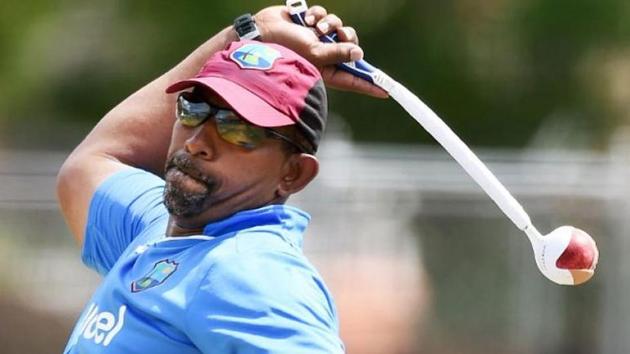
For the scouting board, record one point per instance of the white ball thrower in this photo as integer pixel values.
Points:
(566, 256)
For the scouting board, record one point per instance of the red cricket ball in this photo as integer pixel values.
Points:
(581, 253)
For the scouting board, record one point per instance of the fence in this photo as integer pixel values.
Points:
(418, 258)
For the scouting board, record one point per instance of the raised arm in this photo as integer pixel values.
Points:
(137, 131)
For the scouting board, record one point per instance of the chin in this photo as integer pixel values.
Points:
(184, 205)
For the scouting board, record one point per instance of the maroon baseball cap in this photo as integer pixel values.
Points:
(268, 85)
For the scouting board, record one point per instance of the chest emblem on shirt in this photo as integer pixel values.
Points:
(160, 272)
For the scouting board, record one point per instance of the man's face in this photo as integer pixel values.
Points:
(209, 178)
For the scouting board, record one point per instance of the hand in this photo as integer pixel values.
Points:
(275, 25)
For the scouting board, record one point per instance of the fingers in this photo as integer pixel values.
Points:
(333, 53)
(328, 54)
(325, 55)
(348, 34)
(342, 80)
(314, 14)
(330, 23)
(326, 23)
(346, 50)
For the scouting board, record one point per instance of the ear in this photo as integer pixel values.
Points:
(300, 170)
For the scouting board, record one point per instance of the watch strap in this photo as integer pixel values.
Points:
(245, 27)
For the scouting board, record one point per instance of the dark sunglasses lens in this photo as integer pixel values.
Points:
(190, 112)
(235, 130)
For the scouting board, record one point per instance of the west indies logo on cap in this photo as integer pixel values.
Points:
(255, 56)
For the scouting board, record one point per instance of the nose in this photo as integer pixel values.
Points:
(202, 143)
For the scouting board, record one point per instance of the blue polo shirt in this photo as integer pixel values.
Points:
(243, 286)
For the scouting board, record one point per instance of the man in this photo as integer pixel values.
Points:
(208, 260)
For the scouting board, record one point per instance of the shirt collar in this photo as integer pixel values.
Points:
(292, 221)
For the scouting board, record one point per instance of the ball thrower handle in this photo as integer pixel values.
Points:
(359, 68)
(434, 125)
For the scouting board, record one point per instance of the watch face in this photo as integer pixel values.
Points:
(245, 26)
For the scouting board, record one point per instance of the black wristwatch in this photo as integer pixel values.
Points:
(245, 27)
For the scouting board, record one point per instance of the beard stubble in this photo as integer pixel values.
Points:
(188, 191)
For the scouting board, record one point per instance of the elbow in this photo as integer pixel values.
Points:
(64, 178)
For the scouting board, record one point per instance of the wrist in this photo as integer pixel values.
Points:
(230, 35)
(262, 29)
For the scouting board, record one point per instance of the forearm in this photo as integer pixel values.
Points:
(137, 131)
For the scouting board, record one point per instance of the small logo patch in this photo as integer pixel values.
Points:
(255, 56)
(161, 270)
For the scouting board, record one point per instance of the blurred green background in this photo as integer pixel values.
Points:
(540, 87)
(506, 67)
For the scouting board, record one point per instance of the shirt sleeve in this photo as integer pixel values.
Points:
(122, 207)
(263, 303)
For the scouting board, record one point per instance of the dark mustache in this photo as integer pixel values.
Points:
(186, 164)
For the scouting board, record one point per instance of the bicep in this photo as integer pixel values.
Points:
(114, 205)
(78, 179)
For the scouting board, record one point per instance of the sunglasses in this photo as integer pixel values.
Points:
(192, 111)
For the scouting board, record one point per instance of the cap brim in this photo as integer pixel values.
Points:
(251, 107)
